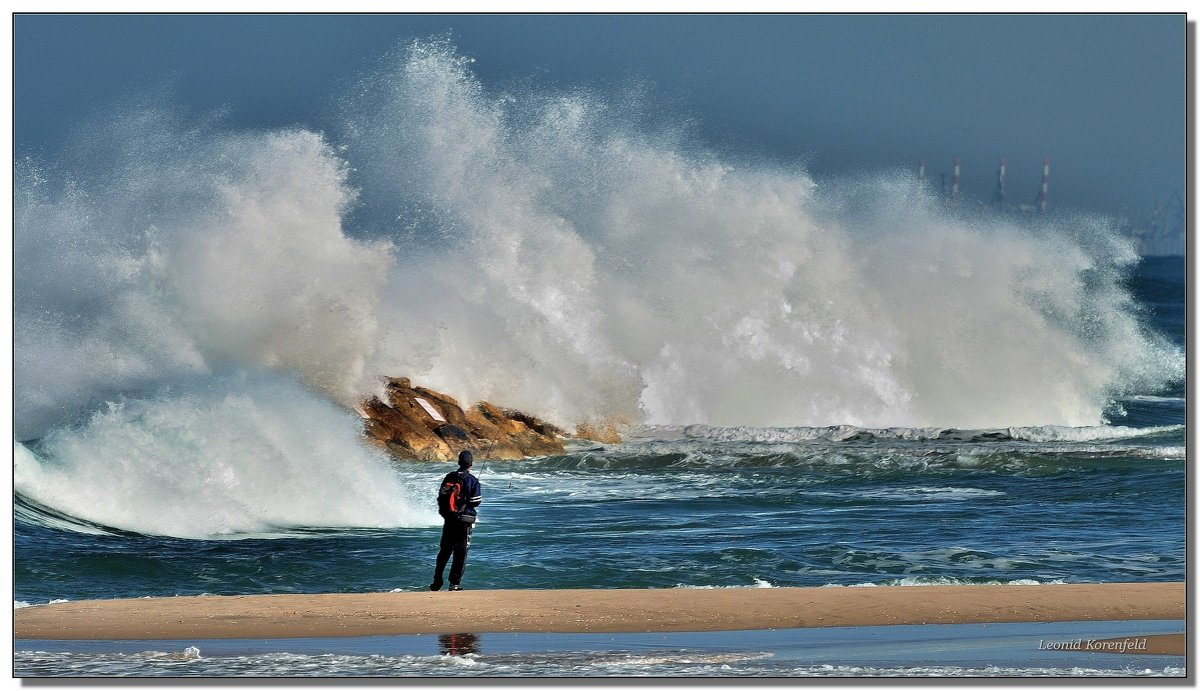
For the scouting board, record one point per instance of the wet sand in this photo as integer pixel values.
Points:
(596, 611)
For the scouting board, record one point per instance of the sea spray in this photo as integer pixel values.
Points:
(549, 252)
(242, 455)
(179, 262)
(637, 276)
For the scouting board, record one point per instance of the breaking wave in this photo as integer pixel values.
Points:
(175, 279)
(546, 251)
(229, 461)
(638, 277)
(850, 433)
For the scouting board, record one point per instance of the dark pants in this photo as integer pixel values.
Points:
(456, 540)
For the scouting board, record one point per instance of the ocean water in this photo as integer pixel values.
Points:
(703, 507)
(828, 383)
(954, 650)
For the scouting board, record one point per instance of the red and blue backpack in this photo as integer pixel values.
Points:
(452, 498)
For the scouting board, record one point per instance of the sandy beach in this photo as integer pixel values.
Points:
(596, 611)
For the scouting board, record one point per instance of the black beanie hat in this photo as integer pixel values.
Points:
(466, 459)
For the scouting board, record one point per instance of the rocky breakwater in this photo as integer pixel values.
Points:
(416, 423)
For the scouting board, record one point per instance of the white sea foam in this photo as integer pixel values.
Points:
(559, 663)
(989, 671)
(687, 658)
(1163, 400)
(471, 239)
(931, 494)
(1175, 453)
(19, 604)
(943, 580)
(1051, 433)
(758, 583)
(851, 433)
(596, 243)
(182, 252)
(228, 460)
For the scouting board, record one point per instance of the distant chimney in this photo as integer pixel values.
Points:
(1000, 200)
(1044, 196)
(954, 183)
(921, 175)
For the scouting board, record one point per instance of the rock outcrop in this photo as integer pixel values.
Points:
(603, 431)
(417, 423)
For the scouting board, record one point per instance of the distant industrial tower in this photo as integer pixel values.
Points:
(1044, 195)
(1000, 199)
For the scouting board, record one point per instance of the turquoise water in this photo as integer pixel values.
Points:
(690, 511)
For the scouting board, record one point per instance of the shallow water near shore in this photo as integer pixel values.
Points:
(928, 650)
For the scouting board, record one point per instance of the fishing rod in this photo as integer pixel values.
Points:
(490, 446)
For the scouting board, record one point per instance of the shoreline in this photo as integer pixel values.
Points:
(590, 611)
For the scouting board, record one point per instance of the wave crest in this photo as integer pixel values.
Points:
(229, 461)
(550, 252)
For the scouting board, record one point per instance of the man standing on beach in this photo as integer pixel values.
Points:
(458, 496)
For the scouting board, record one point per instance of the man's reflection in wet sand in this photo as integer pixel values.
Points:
(458, 643)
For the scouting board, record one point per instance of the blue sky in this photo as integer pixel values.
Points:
(1102, 96)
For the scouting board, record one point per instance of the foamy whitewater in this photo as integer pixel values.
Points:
(540, 251)
(843, 382)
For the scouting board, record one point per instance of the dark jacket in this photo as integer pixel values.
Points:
(471, 491)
